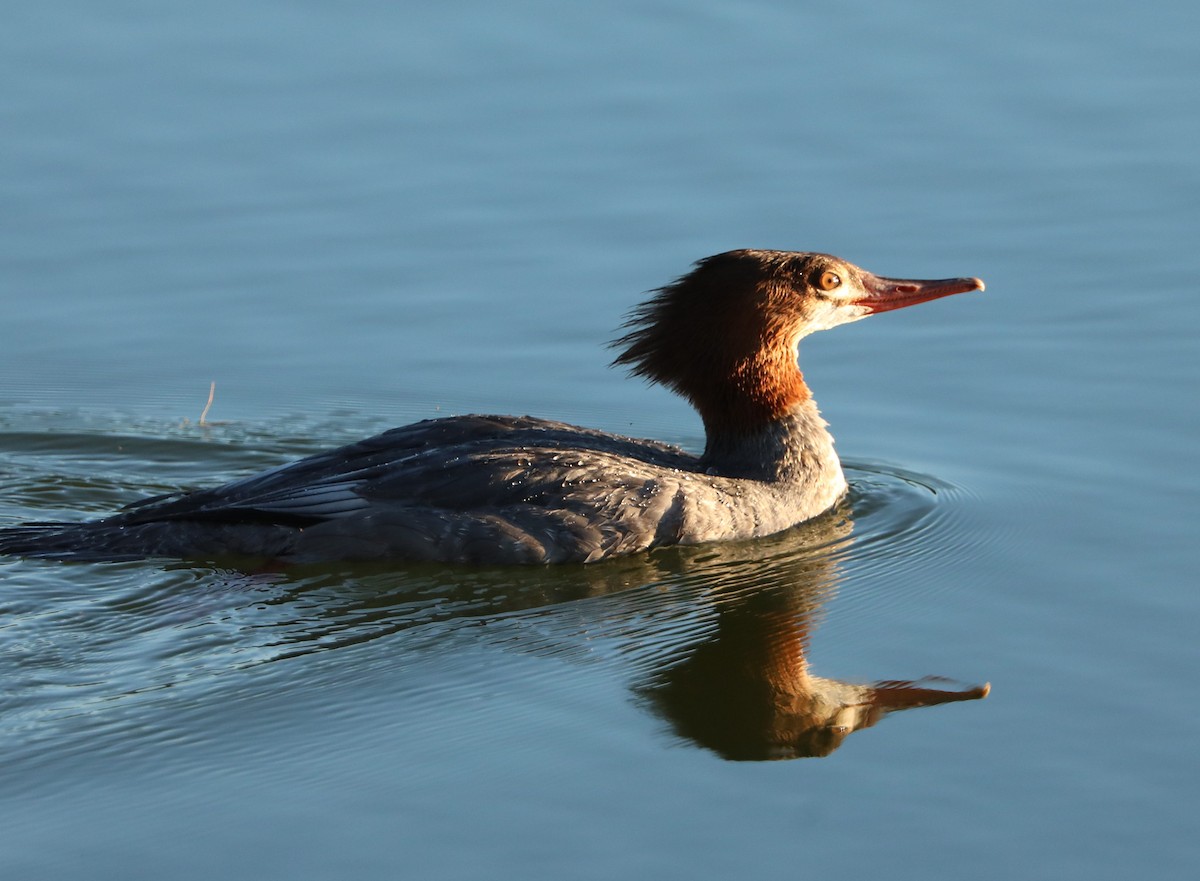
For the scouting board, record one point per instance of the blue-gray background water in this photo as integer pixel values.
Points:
(356, 215)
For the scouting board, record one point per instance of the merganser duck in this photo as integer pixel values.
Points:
(502, 489)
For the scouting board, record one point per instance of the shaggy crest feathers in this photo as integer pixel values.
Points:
(654, 325)
(723, 336)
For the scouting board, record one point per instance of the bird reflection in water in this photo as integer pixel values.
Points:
(722, 631)
(746, 691)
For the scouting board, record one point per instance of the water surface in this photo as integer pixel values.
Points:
(354, 217)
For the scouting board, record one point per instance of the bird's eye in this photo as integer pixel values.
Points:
(828, 280)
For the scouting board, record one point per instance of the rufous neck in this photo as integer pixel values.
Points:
(751, 394)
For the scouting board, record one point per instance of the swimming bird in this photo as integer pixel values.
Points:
(504, 489)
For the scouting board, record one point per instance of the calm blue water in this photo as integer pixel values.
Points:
(351, 216)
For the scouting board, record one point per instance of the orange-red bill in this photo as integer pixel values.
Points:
(902, 694)
(885, 294)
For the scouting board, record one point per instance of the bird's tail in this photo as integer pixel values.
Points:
(117, 539)
(64, 541)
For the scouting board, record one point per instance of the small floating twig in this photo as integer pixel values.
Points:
(212, 390)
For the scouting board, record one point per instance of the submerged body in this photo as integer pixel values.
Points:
(472, 489)
(496, 489)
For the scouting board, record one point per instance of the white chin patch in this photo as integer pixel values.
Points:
(831, 314)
